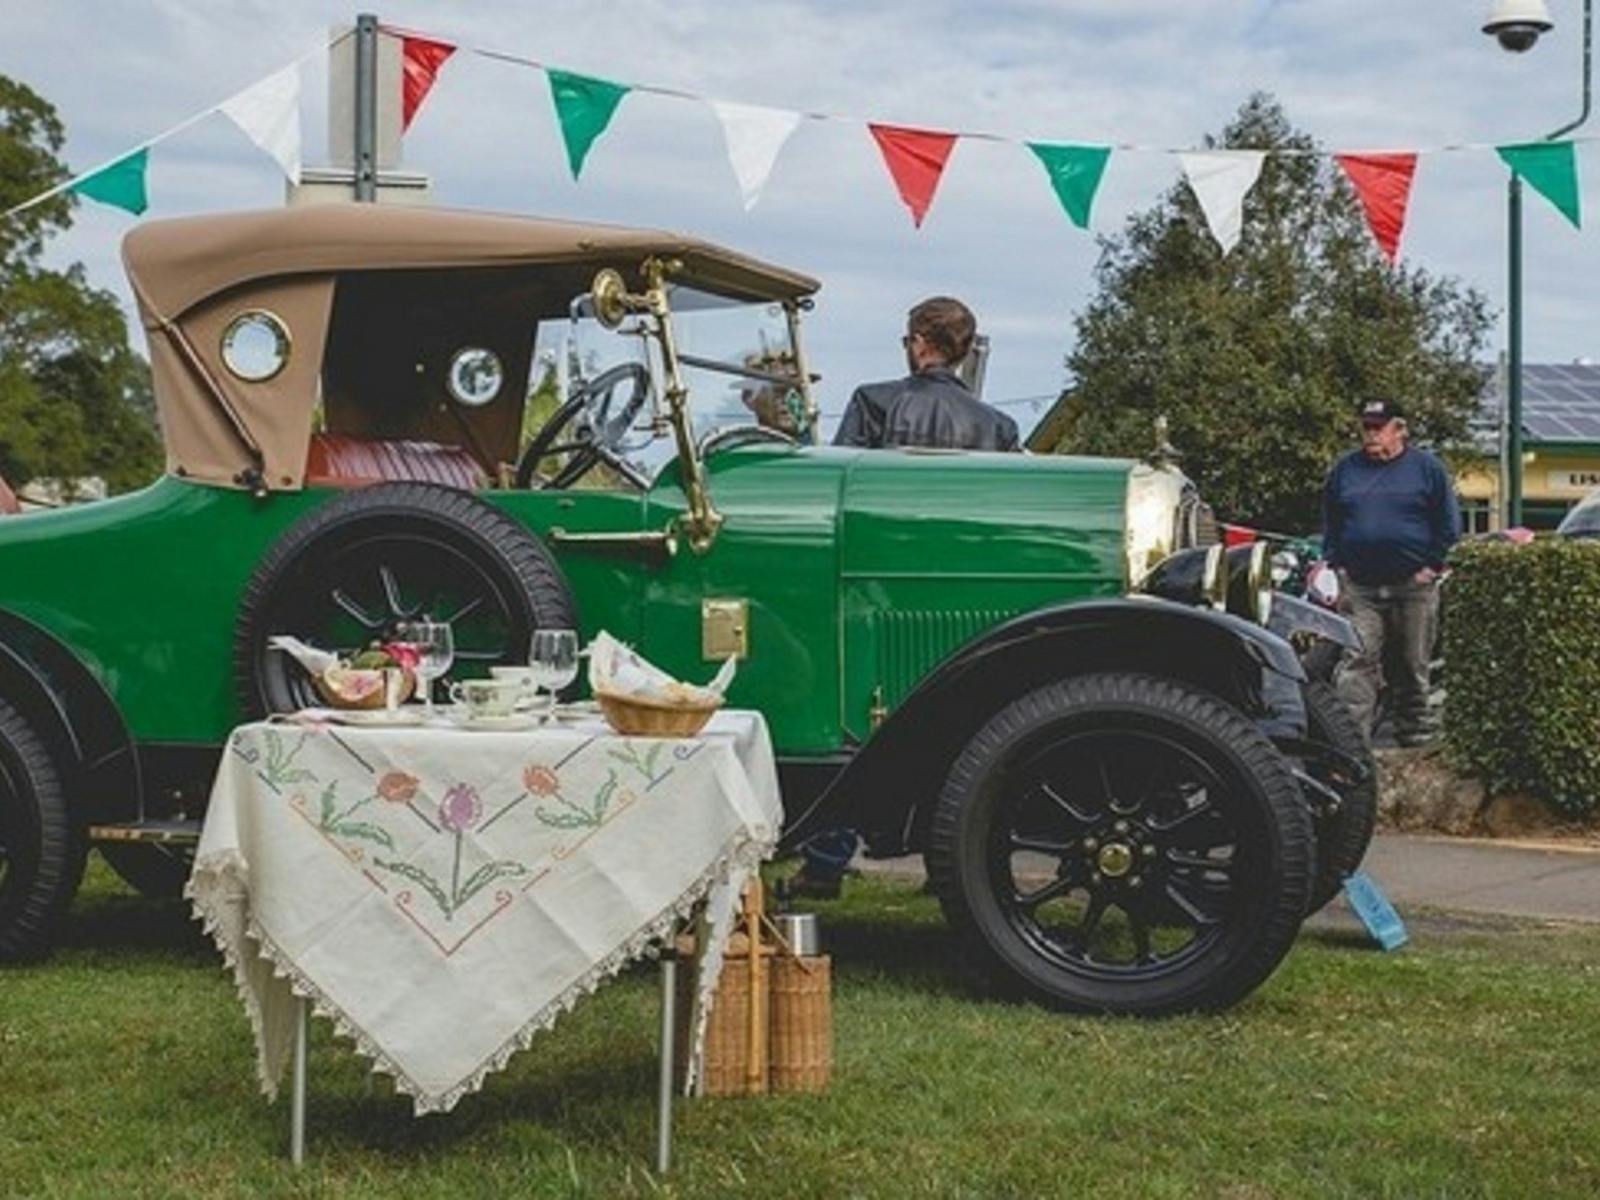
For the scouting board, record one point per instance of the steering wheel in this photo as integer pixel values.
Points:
(596, 431)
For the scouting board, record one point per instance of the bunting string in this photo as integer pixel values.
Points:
(915, 157)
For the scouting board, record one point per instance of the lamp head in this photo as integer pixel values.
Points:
(1517, 24)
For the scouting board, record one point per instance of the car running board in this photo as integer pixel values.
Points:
(169, 832)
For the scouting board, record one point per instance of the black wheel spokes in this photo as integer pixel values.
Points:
(358, 614)
(1083, 817)
(1141, 844)
(358, 593)
(1031, 900)
(1041, 845)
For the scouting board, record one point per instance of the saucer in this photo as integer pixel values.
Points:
(398, 719)
(462, 719)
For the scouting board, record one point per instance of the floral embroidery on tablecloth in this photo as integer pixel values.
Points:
(388, 824)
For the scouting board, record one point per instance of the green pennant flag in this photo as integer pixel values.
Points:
(1075, 173)
(120, 185)
(583, 106)
(1551, 168)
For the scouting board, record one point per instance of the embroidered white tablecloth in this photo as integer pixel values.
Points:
(443, 895)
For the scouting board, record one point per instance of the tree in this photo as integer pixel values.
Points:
(75, 399)
(1258, 359)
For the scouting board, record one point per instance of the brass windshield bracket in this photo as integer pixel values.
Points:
(701, 522)
(791, 313)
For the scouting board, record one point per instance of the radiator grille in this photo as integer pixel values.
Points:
(1197, 524)
(910, 644)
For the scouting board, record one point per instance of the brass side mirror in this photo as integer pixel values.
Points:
(609, 297)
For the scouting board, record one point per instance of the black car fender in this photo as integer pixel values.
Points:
(76, 717)
(891, 780)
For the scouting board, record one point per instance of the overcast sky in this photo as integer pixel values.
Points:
(1356, 74)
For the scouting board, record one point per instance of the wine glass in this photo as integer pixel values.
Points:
(435, 650)
(554, 660)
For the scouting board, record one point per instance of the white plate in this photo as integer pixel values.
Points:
(511, 721)
(400, 718)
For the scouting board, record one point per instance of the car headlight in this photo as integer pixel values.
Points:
(1249, 584)
(1195, 576)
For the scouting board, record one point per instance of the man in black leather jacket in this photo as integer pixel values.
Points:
(930, 406)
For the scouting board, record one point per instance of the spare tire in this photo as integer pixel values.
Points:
(344, 574)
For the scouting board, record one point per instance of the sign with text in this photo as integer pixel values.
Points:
(1572, 483)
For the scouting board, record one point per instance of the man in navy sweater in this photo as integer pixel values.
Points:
(1389, 518)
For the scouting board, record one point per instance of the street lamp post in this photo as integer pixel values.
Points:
(1516, 25)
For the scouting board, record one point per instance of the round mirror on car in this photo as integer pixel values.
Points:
(609, 296)
(475, 376)
(255, 345)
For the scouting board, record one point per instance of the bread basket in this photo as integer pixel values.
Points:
(639, 716)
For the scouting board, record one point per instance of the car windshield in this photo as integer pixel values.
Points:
(1583, 520)
(736, 361)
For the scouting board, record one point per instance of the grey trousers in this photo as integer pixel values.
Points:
(1397, 623)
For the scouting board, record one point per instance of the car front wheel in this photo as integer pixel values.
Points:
(1123, 843)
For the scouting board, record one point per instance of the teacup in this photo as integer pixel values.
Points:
(523, 678)
(487, 697)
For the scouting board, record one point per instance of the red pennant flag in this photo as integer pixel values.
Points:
(916, 159)
(423, 58)
(1383, 182)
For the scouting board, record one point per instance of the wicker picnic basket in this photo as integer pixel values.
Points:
(771, 1023)
(800, 1055)
(640, 717)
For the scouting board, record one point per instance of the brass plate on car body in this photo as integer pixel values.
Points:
(724, 629)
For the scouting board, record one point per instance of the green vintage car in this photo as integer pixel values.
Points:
(1038, 672)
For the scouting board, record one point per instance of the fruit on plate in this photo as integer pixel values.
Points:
(360, 687)
(404, 654)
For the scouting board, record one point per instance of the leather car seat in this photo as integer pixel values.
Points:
(337, 460)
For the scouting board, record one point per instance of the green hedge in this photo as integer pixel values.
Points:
(1522, 648)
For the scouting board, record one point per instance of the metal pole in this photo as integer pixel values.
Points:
(297, 1101)
(669, 1000)
(1513, 496)
(1588, 13)
(1513, 499)
(366, 107)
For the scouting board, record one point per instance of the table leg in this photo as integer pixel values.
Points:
(669, 989)
(297, 1102)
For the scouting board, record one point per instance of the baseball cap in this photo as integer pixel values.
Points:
(1380, 412)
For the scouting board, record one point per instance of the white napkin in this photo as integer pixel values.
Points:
(616, 668)
(313, 660)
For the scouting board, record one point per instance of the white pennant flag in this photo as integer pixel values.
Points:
(754, 136)
(269, 113)
(1221, 179)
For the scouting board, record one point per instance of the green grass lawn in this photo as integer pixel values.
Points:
(1466, 1065)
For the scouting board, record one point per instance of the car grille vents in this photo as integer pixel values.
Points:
(911, 643)
(1197, 524)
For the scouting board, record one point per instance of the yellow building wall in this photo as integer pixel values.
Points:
(1548, 477)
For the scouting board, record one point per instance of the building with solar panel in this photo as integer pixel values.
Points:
(1560, 445)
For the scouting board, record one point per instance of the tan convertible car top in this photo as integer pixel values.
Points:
(194, 275)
